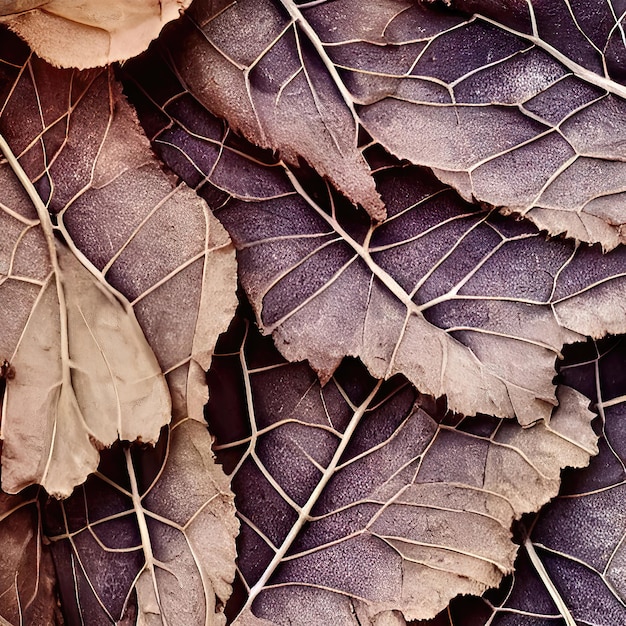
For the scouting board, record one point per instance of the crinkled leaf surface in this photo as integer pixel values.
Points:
(150, 537)
(255, 63)
(133, 242)
(362, 493)
(518, 105)
(28, 593)
(462, 301)
(570, 570)
(89, 33)
(83, 373)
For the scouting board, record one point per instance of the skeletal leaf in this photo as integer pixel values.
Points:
(72, 33)
(363, 490)
(462, 301)
(168, 261)
(150, 537)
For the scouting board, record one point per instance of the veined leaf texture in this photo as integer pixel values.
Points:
(426, 201)
(361, 498)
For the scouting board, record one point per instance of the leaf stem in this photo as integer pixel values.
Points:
(29, 188)
(305, 511)
(48, 230)
(296, 14)
(144, 533)
(547, 581)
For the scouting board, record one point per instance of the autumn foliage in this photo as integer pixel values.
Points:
(293, 308)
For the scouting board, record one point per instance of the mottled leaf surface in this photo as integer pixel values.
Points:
(150, 537)
(570, 570)
(520, 107)
(462, 301)
(128, 240)
(579, 540)
(81, 371)
(255, 63)
(28, 593)
(364, 492)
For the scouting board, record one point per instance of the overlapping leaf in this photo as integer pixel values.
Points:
(519, 107)
(253, 63)
(462, 301)
(150, 539)
(130, 243)
(579, 540)
(570, 570)
(361, 498)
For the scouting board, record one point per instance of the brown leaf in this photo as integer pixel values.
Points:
(84, 376)
(155, 243)
(88, 34)
(362, 490)
(252, 63)
(151, 535)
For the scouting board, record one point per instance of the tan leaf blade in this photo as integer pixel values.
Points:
(83, 373)
(362, 491)
(150, 537)
(570, 566)
(169, 262)
(88, 34)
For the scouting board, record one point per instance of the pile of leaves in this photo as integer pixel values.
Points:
(423, 206)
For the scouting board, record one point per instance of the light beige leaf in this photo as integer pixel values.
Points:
(81, 34)
(84, 374)
(170, 262)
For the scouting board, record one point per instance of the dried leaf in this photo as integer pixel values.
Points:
(156, 244)
(83, 373)
(462, 301)
(90, 33)
(150, 537)
(517, 105)
(521, 108)
(28, 593)
(579, 540)
(255, 64)
(363, 491)
(570, 569)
